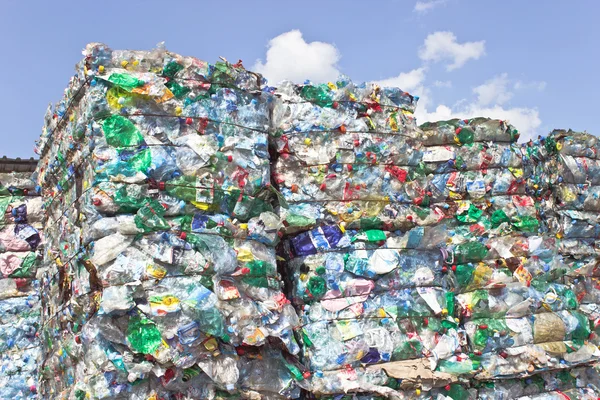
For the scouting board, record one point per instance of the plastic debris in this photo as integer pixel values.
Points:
(161, 266)
(444, 261)
(420, 246)
(20, 305)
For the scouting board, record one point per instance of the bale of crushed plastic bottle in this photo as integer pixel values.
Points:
(162, 269)
(20, 302)
(335, 143)
(353, 180)
(419, 262)
(468, 131)
(578, 383)
(425, 226)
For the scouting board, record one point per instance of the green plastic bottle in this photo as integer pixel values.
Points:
(526, 223)
(183, 188)
(149, 217)
(469, 252)
(464, 274)
(466, 136)
(319, 95)
(121, 132)
(143, 335)
(125, 81)
(317, 287)
(260, 274)
(498, 217)
(210, 321)
(472, 215)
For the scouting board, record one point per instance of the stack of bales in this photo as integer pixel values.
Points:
(424, 248)
(441, 261)
(20, 307)
(520, 318)
(570, 181)
(161, 274)
(376, 307)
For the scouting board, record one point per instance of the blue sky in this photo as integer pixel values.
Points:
(534, 63)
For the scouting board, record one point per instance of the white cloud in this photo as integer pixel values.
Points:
(407, 81)
(289, 56)
(440, 46)
(493, 91)
(442, 84)
(424, 6)
(536, 85)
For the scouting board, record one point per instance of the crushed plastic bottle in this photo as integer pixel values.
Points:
(411, 243)
(184, 203)
(20, 302)
(161, 272)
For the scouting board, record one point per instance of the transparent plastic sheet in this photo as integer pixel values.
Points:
(20, 306)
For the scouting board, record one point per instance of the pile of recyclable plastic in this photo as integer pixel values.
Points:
(367, 276)
(20, 250)
(440, 261)
(576, 383)
(161, 269)
(417, 257)
(571, 190)
(520, 317)
(344, 151)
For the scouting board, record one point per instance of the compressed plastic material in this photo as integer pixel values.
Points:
(209, 236)
(20, 306)
(422, 246)
(160, 271)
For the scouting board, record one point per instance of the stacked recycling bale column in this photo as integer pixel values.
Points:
(566, 175)
(161, 271)
(366, 277)
(519, 316)
(439, 261)
(427, 249)
(572, 175)
(20, 250)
